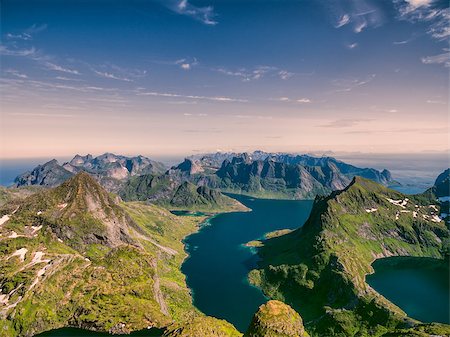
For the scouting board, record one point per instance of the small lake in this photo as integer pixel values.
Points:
(419, 286)
(219, 262)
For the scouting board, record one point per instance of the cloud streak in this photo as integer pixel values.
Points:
(56, 67)
(443, 58)
(204, 14)
(206, 98)
(257, 73)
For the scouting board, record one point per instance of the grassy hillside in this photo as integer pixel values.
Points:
(320, 268)
(170, 193)
(73, 256)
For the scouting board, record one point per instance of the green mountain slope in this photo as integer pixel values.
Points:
(75, 256)
(320, 268)
(170, 192)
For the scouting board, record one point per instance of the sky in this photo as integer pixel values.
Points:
(180, 77)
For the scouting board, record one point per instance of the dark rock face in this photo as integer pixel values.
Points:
(276, 319)
(274, 174)
(49, 174)
(442, 184)
(108, 168)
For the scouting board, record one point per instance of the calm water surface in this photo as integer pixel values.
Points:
(419, 286)
(219, 263)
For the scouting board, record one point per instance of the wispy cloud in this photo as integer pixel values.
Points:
(15, 73)
(343, 20)
(345, 123)
(284, 74)
(443, 58)
(257, 73)
(186, 64)
(296, 100)
(115, 72)
(206, 98)
(359, 14)
(204, 14)
(28, 33)
(352, 45)
(62, 78)
(56, 67)
(435, 13)
(105, 74)
(435, 101)
(24, 52)
(348, 84)
(303, 100)
(195, 115)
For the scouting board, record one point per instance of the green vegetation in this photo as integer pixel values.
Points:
(92, 263)
(204, 327)
(168, 192)
(276, 319)
(320, 268)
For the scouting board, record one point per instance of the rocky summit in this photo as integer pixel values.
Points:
(276, 319)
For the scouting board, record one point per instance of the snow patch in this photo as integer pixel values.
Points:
(13, 235)
(371, 210)
(20, 253)
(401, 203)
(436, 218)
(3, 219)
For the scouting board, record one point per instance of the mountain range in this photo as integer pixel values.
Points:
(77, 255)
(260, 174)
(108, 168)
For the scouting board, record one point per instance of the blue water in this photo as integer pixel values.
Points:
(419, 286)
(218, 265)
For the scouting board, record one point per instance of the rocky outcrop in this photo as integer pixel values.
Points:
(276, 319)
(50, 174)
(108, 168)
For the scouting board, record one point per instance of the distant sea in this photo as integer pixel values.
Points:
(416, 172)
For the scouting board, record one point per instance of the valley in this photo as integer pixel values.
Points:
(123, 247)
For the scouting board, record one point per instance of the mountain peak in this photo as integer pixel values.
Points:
(80, 212)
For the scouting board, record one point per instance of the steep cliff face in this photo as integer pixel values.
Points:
(109, 169)
(320, 268)
(50, 174)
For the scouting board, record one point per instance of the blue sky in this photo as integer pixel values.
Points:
(180, 77)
